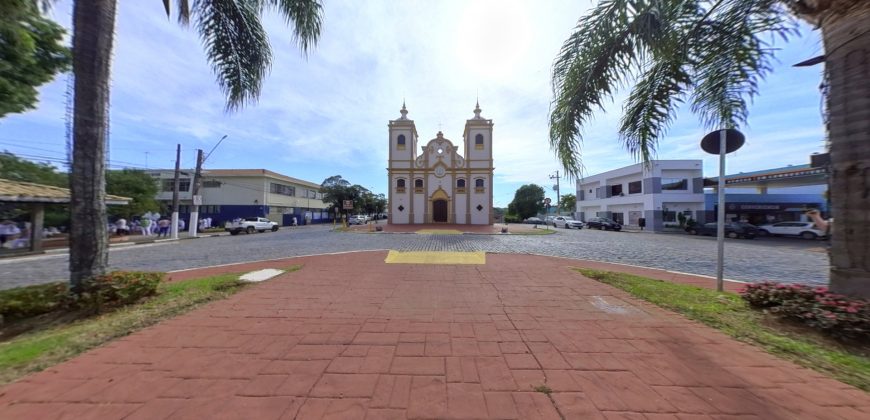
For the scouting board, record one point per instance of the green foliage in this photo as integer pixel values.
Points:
(32, 52)
(236, 42)
(528, 201)
(728, 313)
(336, 189)
(711, 54)
(17, 169)
(569, 203)
(118, 288)
(512, 218)
(135, 184)
(29, 301)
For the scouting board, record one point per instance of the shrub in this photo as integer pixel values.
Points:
(837, 315)
(512, 218)
(30, 301)
(118, 288)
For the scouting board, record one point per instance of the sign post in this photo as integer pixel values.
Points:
(721, 142)
(547, 202)
(347, 205)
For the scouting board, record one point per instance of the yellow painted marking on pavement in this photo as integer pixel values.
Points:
(438, 232)
(435, 257)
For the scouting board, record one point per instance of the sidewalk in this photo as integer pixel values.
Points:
(350, 337)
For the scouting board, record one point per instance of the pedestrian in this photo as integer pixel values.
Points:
(8, 231)
(294, 221)
(145, 224)
(155, 228)
(181, 224)
(163, 225)
(121, 228)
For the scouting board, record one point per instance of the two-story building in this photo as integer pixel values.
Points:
(656, 192)
(231, 193)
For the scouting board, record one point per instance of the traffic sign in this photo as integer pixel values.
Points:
(348, 205)
(547, 201)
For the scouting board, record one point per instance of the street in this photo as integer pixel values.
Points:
(777, 259)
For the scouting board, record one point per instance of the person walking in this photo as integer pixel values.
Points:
(145, 224)
(121, 227)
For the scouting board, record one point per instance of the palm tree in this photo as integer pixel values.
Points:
(239, 52)
(712, 54)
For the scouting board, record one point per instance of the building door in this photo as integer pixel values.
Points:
(633, 217)
(439, 211)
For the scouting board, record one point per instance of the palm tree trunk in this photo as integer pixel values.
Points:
(847, 61)
(93, 33)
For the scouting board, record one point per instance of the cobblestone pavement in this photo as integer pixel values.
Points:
(521, 337)
(789, 260)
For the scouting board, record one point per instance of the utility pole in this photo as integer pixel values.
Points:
(558, 195)
(193, 227)
(174, 227)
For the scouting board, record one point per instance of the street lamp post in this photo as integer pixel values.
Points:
(721, 142)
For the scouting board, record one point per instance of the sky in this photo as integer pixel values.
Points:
(327, 114)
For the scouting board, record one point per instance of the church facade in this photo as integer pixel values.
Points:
(437, 181)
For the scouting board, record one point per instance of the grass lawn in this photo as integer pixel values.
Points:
(728, 313)
(63, 337)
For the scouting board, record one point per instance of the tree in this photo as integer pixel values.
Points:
(713, 54)
(134, 184)
(528, 201)
(335, 190)
(238, 50)
(16, 169)
(569, 203)
(32, 51)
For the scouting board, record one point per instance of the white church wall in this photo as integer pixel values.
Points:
(420, 203)
(460, 200)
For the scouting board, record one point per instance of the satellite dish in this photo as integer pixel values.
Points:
(733, 140)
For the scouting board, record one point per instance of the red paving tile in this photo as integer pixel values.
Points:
(363, 339)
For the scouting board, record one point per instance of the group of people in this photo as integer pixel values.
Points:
(151, 223)
(12, 235)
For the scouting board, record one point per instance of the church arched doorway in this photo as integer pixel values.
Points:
(439, 211)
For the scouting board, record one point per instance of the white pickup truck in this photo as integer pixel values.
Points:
(249, 225)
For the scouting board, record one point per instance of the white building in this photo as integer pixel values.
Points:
(656, 193)
(433, 182)
(231, 193)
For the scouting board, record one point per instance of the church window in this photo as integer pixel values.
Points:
(478, 142)
(401, 142)
(478, 185)
(460, 185)
(400, 185)
(418, 185)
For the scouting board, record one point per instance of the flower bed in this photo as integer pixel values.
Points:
(838, 315)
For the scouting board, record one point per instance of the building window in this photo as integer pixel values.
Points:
(400, 185)
(675, 184)
(478, 185)
(183, 184)
(418, 183)
(400, 143)
(669, 216)
(615, 190)
(478, 141)
(211, 184)
(210, 209)
(635, 187)
(460, 185)
(282, 189)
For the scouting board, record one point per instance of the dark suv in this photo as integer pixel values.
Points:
(732, 230)
(603, 223)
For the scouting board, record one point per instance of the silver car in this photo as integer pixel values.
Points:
(567, 223)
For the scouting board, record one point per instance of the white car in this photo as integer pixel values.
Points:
(567, 223)
(357, 220)
(806, 230)
(250, 225)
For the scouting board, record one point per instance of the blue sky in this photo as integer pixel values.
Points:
(328, 114)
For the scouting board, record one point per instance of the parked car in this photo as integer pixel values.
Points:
(603, 223)
(250, 225)
(548, 220)
(806, 230)
(732, 230)
(357, 220)
(567, 223)
(533, 221)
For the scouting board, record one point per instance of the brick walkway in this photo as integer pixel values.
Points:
(351, 337)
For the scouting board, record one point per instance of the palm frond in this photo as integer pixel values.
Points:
(183, 10)
(236, 45)
(306, 17)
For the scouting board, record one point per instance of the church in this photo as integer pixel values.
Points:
(434, 182)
